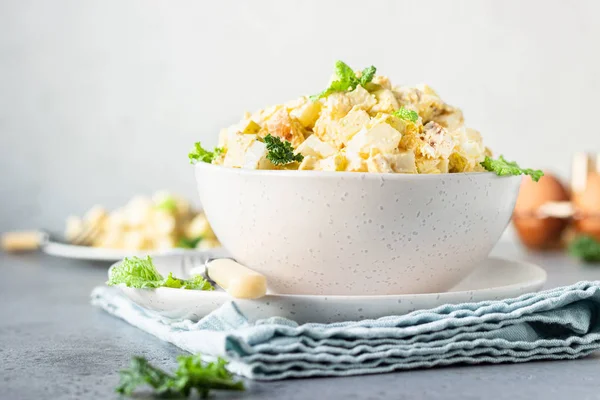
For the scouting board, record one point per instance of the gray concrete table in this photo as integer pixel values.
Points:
(54, 345)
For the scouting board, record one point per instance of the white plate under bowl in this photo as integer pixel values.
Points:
(494, 279)
(103, 254)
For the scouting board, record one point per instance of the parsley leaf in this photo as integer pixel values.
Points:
(186, 243)
(280, 152)
(346, 80)
(199, 153)
(191, 374)
(503, 168)
(406, 114)
(141, 273)
(585, 248)
(140, 372)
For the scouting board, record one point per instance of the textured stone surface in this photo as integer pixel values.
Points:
(53, 344)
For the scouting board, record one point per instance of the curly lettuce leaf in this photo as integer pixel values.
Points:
(136, 272)
(197, 282)
(199, 153)
(141, 273)
(172, 282)
(503, 167)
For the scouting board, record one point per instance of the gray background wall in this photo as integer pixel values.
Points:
(100, 100)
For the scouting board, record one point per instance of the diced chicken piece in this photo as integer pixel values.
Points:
(429, 106)
(468, 142)
(437, 142)
(451, 119)
(403, 162)
(360, 97)
(381, 137)
(135, 241)
(386, 102)
(335, 107)
(327, 130)
(407, 96)
(285, 127)
(313, 146)
(382, 81)
(379, 163)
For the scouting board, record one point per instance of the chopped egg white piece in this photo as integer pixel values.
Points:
(313, 146)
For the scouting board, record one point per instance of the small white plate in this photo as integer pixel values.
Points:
(67, 250)
(494, 279)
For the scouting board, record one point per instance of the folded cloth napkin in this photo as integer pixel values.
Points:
(562, 323)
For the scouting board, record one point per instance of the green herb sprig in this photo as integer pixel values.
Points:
(191, 374)
(141, 273)
(168, 204)
(586, 248)
(186, 243)
(406, 114)
(505, 168)
(199, 153)
(346, 80)
(280, 152)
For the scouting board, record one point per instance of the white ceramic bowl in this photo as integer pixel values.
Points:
(344, 233)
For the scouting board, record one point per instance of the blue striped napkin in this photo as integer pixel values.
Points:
(562, 323)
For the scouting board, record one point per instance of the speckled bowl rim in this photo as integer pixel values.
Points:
(350, 175)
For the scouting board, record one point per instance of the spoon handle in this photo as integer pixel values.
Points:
(237, 280)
